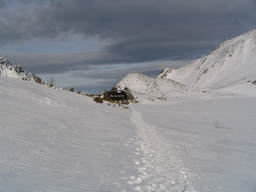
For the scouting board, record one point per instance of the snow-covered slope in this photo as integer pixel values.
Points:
(57, 141)
(234, 61)
(7, 69)
(138, 81)
(148, 88)
(215, 138)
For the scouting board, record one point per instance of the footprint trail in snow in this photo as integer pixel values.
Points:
(159, 168)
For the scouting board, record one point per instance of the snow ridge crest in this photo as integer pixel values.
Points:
(8, 69)
(232, 62)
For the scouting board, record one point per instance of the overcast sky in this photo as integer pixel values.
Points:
(90, 44)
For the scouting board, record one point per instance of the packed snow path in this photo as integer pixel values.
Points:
(159, 168)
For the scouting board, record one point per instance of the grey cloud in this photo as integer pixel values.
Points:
(86, 64)
(139, 30)
(58, 63)
(97, 78)
(114, 72)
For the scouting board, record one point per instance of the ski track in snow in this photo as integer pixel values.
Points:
(159, 168)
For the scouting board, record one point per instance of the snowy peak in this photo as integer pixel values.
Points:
(136, 82)
(146, 88)
(165, 73)
(234, 61)
(7, 69)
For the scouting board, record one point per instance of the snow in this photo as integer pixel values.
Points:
(214, 138)
(146, 88)
(52, 140)
(7, 69)
(183, 136)
(232, 62)
(159, 168)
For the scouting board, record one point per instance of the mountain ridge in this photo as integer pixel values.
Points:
(232, 62)
(8, 69)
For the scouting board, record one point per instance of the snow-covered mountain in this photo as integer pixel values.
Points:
(7, 69)
(147, 88)
(233, 62)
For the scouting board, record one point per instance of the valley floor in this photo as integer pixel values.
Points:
(55, 141)
(203, 145)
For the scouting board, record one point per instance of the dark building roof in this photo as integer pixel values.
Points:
(116, 95)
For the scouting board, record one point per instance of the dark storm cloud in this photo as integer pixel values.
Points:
(2, 3)
(139, 30)
(56, 63)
